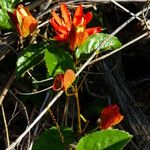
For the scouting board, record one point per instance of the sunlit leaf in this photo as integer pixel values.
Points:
(31, 56)
(5, 22)
(58, 61)
(51, 140)
(92, 43)
(110, 139)
(7, 4)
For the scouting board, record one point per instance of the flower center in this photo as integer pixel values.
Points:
(80, 29)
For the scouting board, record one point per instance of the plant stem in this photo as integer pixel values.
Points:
(78, 109)
(57, 126)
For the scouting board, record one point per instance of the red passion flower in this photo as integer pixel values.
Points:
(64, 81)
(110, 116)
(79, 33)
(24, 21)
(74, 31)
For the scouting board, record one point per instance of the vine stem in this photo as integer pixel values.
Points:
(78, 109)
(57, 126)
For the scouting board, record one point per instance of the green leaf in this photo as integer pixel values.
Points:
(50, 139)
(5, 22)
(92, 43)
(58, 61)
(7, 4)
(110, 139)
(31, 56)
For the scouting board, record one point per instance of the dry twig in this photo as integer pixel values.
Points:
(5, 90)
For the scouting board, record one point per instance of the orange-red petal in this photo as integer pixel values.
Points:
(87, 18)
(23, 11)
(76, 38)
(61, 29)
(61, 37)
(93, 30)
(66, 15)
(24, 28)
(82, 36)
(110, 116)
(77, 19)
(57, 19)
(69, 78)
(58, 82)
(72, 37)
(24, 21)
(64, 81)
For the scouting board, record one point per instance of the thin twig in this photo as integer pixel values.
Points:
(65, 113)
(47, 4)
(5, 52)
(32, 93)
(5, 90)
(126, 10)
(26, 115)
(41, 81)
(37, 125)
(14, 112)
(34, 122)
(5, 124)
(92, 93)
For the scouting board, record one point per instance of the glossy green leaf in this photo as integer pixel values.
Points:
(58, 60)
(110, 139)
(5, 22)
(8, 4)
(93, 42)
(31, 56)
(50, 139)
